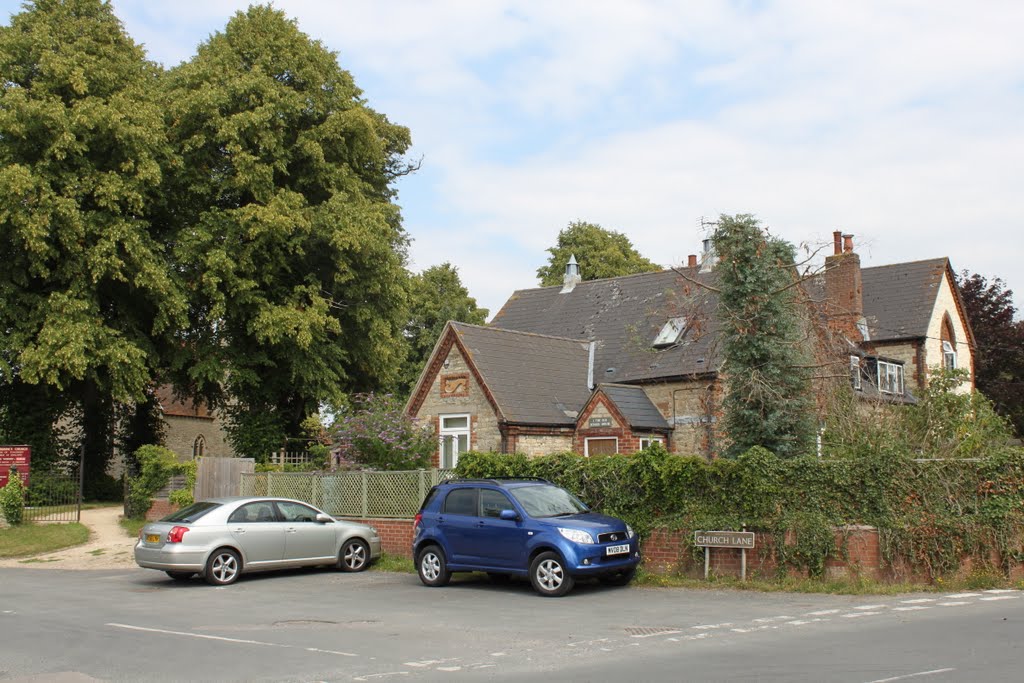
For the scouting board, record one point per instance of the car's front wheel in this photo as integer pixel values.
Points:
(354, 556)
(432, 567)
(223, 567)
(549, 575)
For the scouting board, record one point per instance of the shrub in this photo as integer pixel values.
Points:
(12, 500)
(156, 466)
(375, 433)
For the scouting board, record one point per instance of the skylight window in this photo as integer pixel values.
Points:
(671, 333)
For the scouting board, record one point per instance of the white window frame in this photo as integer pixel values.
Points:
(647, 441)
(453, 433)
(586, 443)
(948, 355)
(890, 378)
(855, 371)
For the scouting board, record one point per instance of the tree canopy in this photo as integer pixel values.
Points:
(88, 303)
(436, 296)
(999, 356)
(599, 252)
(768, 399)
(289, 242)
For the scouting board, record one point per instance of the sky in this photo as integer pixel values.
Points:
(898, 121)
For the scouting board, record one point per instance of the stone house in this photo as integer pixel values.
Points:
(612, 365)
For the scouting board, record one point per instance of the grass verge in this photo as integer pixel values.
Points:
(35, 539)
(132, 526)
(394, 563)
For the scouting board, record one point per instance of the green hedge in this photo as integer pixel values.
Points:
(929, 513)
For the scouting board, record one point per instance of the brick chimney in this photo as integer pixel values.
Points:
(691, 261)
(844, 298)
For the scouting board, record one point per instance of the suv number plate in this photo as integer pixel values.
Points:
(616, 549)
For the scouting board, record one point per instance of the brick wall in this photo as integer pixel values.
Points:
(160, 508)
(395, 534)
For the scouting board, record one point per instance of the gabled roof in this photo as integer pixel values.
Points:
(533, 378)
(624, 315)
(634, 405)
(899, 298)
(171, 405)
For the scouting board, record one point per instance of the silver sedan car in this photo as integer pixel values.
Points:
(221, 538)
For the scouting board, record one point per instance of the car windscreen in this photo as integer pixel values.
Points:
(191, 513)
(547, 501)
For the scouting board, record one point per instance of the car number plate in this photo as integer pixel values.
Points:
(152, 538)
(616, 549)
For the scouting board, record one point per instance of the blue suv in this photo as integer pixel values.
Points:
(519, 527)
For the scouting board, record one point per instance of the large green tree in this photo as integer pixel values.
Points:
(290, 242)
(599, 252)
(87, 303)
(436, 296)
(999, 356)
(768, 400)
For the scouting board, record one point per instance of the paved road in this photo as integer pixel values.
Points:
(317, 625)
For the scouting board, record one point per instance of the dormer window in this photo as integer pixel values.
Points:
(890, 378)
(948, 356)
(670, 333)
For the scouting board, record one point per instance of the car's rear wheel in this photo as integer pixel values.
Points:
(181, 576)
(354, 556)
(618, 578)
(432, 567)
(549, 575)
(223, 567)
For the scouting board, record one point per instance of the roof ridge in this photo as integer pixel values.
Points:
(907, 263)
(526, 334)
(606, 279)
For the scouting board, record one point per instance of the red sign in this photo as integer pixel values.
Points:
(17, 457)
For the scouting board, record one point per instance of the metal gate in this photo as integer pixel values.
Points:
(55, 494)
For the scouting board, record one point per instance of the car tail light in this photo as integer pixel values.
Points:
(176, 534)
(416, 521)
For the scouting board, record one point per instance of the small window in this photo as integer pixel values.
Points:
(855, 371)
(493, 502)
(670, 333)
(455, 439)
(601, 446)
(199, 447)
(890, 378)
(461, 502)
(948, 356)
(648, 441)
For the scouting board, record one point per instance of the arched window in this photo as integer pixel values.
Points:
(199, 447)
(948, 344)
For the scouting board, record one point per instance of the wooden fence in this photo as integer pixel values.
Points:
(218, 477)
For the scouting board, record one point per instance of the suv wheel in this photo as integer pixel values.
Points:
(549, 576)
(432, 567)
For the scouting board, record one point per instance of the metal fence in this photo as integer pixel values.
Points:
(350, 494)
(53, 496)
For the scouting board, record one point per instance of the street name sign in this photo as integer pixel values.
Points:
(724, 539)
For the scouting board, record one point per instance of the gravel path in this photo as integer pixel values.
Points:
(108, 547)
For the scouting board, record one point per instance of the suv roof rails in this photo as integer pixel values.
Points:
(493, 480)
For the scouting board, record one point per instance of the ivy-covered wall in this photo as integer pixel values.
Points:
(931, 514)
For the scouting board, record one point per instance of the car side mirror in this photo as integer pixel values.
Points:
(324, 519)
(510, 515)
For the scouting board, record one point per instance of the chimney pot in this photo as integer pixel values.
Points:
(837, 240)
(847, 244)
(691, 261)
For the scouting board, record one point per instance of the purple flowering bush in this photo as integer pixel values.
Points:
(373, 432)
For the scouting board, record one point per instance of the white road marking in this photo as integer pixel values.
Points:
(655, 635)
(917, 600)
(955, 603)
(449, 668)
(9, 611)
(241, 641)
(430, 662)
(962, 595)
(914, 675)
(912, 608)
(803, 622)
(577, 643)
(763, 620)
(1002, 590)
(822, 612)
(381, 675)
(703, 627)
(866, 607)
(1000, 597)
(854, 615)
(505, 654)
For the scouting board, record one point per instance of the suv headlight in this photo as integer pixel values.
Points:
(576, 535)
(629, 531)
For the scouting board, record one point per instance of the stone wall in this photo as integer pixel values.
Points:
(182, 432)
(694, 407)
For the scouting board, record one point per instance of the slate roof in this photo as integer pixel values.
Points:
(179, 407)
(624, 315)
(634, 405)
(899, 298)
(533, 378)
